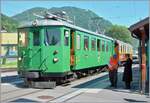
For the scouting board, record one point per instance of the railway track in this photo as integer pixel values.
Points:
(3, 70)
(20, 92)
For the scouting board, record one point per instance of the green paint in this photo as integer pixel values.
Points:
(41, 57)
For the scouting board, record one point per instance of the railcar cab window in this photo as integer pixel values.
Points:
(103, 45)
(98, 44)
(86, 43)
(78, 41)
(22, 34)
(93, 43)
(52, 37)
(66, 37)
(36, 38)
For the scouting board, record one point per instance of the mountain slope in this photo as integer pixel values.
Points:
(83, 18)
(28, 15)
(8, 23)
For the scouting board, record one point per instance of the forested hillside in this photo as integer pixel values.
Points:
(8, 23)
(81, 17)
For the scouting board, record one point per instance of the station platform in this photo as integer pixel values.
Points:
(99, 91)
(91, 89)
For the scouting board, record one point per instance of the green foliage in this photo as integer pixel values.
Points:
(8, 23)
(120, 32)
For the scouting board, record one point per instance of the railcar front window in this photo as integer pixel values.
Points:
(52, 37)
(23, 38)
(36, 38)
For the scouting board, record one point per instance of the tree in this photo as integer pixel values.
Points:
(120, 32)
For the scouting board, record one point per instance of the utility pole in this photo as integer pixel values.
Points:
(96, 21)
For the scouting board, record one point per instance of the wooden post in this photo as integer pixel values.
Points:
(143, 64)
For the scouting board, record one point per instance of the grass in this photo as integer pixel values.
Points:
(10, 64)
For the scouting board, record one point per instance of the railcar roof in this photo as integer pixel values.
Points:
(49, 22)
(121, 42)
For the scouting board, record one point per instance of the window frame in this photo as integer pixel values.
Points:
(103, 45)
(33, 38)
(85, 37)
(93, 44)
(66, 38)
(26, 33)
(78, 42)
(47, 37)
(99, 46)
(107, 49)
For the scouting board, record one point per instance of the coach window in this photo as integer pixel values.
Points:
(103, 45)
(86, 43)
(98, 44)
(106, 47)
(121, 48)
(66, 37)
(78, 41)
(52, 37)
(93, 43)
(109, 46)
(23, 37)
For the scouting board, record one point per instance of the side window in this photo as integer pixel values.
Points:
(86, 43)
(36, 38)
(121, 48)
(66, 37)
(52, 37)
(78, 40)
(103, 45)
(110, 47)
(93, 43)
(98, 44)
(106, 46)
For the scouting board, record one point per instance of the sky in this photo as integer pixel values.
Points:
(121, 12)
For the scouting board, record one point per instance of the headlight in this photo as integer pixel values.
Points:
(19, 58)
(55, 60)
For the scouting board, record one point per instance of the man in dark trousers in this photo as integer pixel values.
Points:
(112, 67)
(127, 75)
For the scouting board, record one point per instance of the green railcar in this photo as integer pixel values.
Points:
(56, 50)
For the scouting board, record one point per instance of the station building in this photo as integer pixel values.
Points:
(8, 44)
(140, 30)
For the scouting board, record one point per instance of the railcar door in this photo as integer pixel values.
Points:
(72, 48)
(22, 48)
(35, 48)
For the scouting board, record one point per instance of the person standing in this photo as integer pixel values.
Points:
(127, 75)
(113, 67)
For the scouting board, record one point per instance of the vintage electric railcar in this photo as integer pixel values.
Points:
(56, 50)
